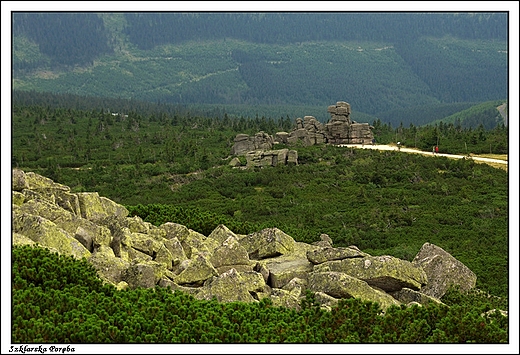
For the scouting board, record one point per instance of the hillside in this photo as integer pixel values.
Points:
(247, 60)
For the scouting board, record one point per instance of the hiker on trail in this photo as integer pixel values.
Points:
(399, 146)
(433, 150)
(373, 141)
(436, 149)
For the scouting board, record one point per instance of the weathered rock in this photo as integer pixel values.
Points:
(230, 253)
(231, 287)
(175, 248)
(20, 239)
(263, 158)
(407, 295)
(326, 300)
(165, 257)
(95, 208)
(18, 198)
(341, 285)
(245, 143)
(47, 233)
(320, 256)
(280, 273)
(137, 225)
(165, 282)
(284, 298)
(267, 243)
(175, 230)
(139, 275)
(198, 270)
(196, 242)
(443, 271)
(238, 267)
(41, 183)
(108, 266)
(235, 162)
(385, 272)
(19, 181)
(221, 233)
(143, 243)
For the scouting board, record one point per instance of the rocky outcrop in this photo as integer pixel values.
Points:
(443, 271)
(340, 129)
(261, 158)
(244, 143)
(130, 253)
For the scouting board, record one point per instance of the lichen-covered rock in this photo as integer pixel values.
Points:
(137, 225)
(175, 230)
(229, 253)
(385, 272)
(96, 208)
(132, 255)
(325, 300)
(175, 248)
(19, 181)
(284, 298)
(320, 256)
(341, 285)
(240, 268)
(407, 295)
(48, 234)
(198, 270)
(139, 275)
(68, 201)
(221, 233)
(267, 243)
(18, 198)
(38, 182)
(280, 273)
(231, 286)
(165, 257)
(20, 239)
(108, 266)
(143, 243)
(165, 282)
(443, 271)
(196, 242)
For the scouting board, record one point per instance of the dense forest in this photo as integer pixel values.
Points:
(379, 62)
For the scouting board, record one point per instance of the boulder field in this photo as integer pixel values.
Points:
(130, 253)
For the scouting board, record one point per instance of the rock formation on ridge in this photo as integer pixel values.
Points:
(129, 253)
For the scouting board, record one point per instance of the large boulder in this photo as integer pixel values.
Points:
(48, 234)
(108, 266)
(280, 273)
(407, 295)
(232, 286)
(341, 285)
(322, 255)
(267, 243)
(139, 275)
(195, 243)
(96, 208)
(221, 233)
(197, 270)
(443, 271)
(384, 272)
(229, 253)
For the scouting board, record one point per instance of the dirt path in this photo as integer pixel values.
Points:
(412, 150)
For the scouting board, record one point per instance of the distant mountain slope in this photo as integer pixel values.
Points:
(376, 62)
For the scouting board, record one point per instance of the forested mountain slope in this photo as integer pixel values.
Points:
(378, 62)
